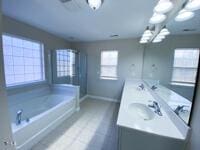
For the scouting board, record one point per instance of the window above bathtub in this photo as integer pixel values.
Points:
(23, 60)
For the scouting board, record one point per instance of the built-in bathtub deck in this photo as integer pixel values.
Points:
(92, 128)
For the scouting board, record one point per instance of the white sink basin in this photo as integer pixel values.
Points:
(141, 111)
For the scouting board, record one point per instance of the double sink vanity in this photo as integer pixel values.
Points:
(146, 122)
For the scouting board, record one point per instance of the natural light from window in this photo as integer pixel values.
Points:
(109, 62)
(185, 66)
(23, 60)
(65, 63)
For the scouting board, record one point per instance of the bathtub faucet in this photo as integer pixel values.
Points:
(19, 117)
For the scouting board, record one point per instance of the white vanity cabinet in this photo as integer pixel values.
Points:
(130, 139)
(138, 131)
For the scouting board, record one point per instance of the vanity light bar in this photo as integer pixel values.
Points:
(159, 38)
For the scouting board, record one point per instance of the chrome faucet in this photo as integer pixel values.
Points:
(179, 109)
(156, 108)
(141, 86)
(19, 117)
(154, 87)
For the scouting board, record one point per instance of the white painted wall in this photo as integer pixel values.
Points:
(130, 52)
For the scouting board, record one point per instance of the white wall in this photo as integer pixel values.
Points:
(162, 55)
(130, 52)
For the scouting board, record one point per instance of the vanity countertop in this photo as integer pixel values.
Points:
(159, 125)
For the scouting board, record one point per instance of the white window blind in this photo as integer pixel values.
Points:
(109, 62)
(185, 66)
(23, 60)
(65, 63)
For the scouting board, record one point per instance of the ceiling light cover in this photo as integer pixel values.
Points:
(163, 6)
(95, 4)
(158, 37)
(145, 38)
(157, 18)
(143, 41)
(184, 15)
(147, 32)
(164, 31)
(157, 40)
(193, 5)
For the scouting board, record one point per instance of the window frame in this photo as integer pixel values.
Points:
(68, 63)
(43, 69)
(181, 83)
(116, 66)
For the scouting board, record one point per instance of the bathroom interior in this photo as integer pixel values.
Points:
(99, 75)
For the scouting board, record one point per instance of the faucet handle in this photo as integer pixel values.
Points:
(152, 104)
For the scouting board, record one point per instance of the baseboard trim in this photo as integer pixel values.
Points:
(103, 98)
(83, 98)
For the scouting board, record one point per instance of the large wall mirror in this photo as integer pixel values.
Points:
(172, 66)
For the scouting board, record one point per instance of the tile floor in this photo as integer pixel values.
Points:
(92, 128)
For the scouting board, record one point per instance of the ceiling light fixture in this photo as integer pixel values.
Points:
(95, 4)
(157, 18)
(164, 31)
(147, 33)
(145, 38)
(157, 40)
(163, 6)
(160, 37)
(143, 41)
(193, 5)
(184, 15)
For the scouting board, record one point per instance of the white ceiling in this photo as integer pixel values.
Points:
(177, 28)
(127, 18)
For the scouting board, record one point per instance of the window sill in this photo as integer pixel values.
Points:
(182, 84)
(109, 78)
(66, 76)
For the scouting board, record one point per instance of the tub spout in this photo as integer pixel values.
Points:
(19, 117)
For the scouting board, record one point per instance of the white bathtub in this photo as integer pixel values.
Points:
(45, 112)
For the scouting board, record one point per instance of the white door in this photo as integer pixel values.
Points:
(6, 140)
